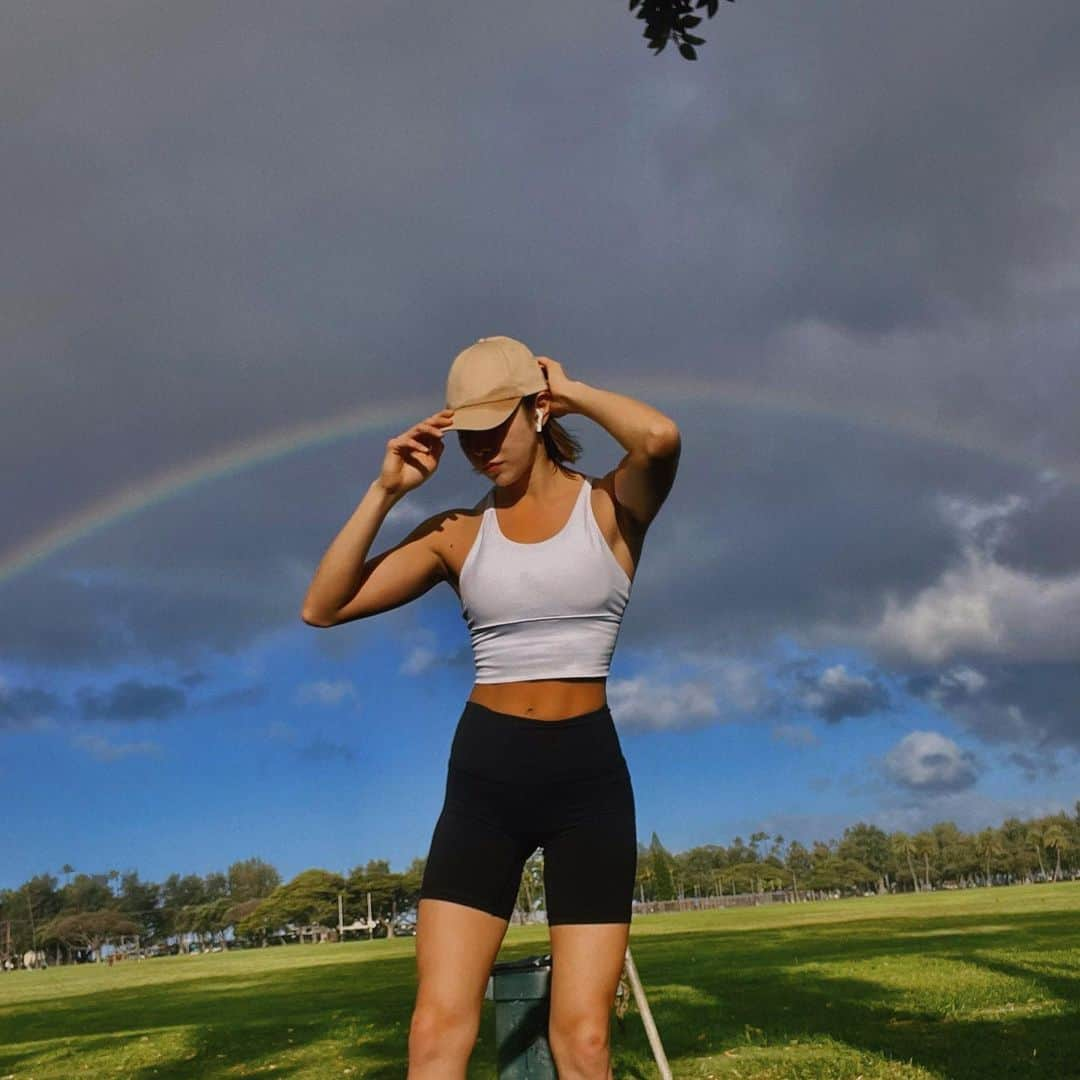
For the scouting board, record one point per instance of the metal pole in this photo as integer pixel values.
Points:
(647, 1018)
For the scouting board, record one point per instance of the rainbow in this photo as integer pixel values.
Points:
(391, 415)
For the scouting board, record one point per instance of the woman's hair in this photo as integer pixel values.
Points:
(561, 446)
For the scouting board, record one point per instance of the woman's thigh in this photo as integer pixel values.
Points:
(456, 946)
(590, 861)
(478, 849)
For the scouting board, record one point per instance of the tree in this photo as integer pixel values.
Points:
(139, 902)
(310, 898)
(665, 19)
(954, 850)
(238, 912)
(532, 882)
(33, 903)
(798, 864)
(869, 845)
(252, 879)
(88, 929)
(177, 894)
(1054, 837)
(1037, 838)
(389, 891)
(904, 847)
(925, 846)
(755, 839)
(215, 886)
(663, 885)
(988, 847)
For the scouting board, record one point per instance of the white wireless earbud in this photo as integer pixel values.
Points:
(539, 422)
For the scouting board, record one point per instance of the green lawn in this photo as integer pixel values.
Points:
(981, 983)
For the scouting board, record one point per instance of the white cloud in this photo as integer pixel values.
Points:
(418, 661)
(983, 523)
(929, 761)
(408, 512)
(690, 690)
(640, 704)
(103, 750)
(425, 650)
(739, 682)
(324, 692)
(795, 734)
(959, 679)
(984, 607)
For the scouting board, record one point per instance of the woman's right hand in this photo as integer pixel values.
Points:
(413, 456)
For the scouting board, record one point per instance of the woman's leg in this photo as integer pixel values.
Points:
(470, 882)
(586, 962)
(589, 869)
(456, 946)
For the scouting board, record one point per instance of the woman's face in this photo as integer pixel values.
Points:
(505, 452)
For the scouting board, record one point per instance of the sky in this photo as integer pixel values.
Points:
(242, 245)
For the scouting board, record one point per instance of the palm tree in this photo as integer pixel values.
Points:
(988, 846)
(1036, 835)
(68, 870)
(925, 844)
(1054, 837)
(113, 875)
(903, 846)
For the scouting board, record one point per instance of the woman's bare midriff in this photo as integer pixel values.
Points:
(542, 699)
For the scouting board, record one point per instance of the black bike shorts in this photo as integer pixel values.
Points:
(516, 783)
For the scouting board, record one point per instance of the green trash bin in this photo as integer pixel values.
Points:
(521, 990)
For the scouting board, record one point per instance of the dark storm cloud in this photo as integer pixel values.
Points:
(795, 524)
(1043, 539)
(242, 697)
(1030, 706)
(229, 219)
(881, 166)
(1034, 768)
(225, 221)
(26, 707)
(130, 701)
(836, 694)
(321, 749)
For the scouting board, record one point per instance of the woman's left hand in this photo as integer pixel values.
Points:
(559, 384)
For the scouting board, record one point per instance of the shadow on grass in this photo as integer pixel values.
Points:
(752, 980)
(232, 1019)
(708, 988)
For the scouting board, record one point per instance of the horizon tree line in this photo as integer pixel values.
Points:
(252, 901)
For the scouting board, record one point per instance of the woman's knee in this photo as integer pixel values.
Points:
(581, 1044)
(443, 1029)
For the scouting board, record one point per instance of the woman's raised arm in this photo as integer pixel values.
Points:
(651, 440)
(405, 571)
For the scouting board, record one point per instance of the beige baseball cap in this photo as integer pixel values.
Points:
(488, 379)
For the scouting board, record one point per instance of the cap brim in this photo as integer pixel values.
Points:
(481, 417)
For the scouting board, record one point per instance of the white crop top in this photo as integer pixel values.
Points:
(549, 610)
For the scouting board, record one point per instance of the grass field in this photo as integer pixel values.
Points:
(980, 983)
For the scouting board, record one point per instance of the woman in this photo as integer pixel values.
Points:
(543, 567)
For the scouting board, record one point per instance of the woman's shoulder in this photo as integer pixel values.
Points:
(458, 521)
(455, 530)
